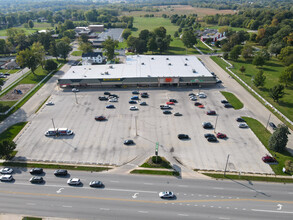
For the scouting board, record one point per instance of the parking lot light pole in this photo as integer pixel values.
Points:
(216, 124)
(226, 164)
(268, 121)
(75, 98)
(53, 123)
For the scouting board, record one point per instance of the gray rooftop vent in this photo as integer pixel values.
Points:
(186, 58)
(185, 64)
(149, 75)
(142, 63)
(193, 70)
(89, 68)
(169, 64)
(152, 58)
(111, 67)
(106, 73)
(167, 58)
(73, 71)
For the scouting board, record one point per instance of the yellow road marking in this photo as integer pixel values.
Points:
(143, 201)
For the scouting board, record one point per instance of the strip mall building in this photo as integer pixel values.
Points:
(141, 70)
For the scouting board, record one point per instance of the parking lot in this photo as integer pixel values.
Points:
(102, 142)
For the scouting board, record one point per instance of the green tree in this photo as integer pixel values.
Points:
(247, 52)
(50, 65)
(27, 58)
(83, 39)
(286, 76)
(242, 69)
(109, 46)
(69, 24)
(53, 50)
(259, 79)
(30, 24)
(188, 38)
(39, 52)
(63, 49)
(226, 56)
(6, 148)
(235, 52)
(286, 55)
(275, 48)
(3, 46)
(131, 41)
(258, 60)
(279, 139)
(152, 44)
(126, 33)
(144, 35)
(277, 92)
(86, 47)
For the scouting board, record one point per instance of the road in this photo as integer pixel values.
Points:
(136, 196)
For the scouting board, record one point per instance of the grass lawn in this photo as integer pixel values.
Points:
(203, 47)
(76, 53)
(31, 218)
(263, 135)
(37, 27)
(233, 100)
(249, 178)
(272, 70)
(11, 132)
(156, 172)
(164, 164)
(9, 71)
(233, 28)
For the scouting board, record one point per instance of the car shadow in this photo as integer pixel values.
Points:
(41, 174)
(173, 198)
(65, 176)
(79, 185)
(42, 183)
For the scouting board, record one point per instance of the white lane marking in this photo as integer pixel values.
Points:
(227, 207)
(260, 210)
(114, 181)
(203, 205)
(182, 186)
(230, 197)
(182, 215)
(217, 188)
(143, 211)
(223, 218)
(105, 209)
(31, 203)
(235, 208)
(188, 204)
(185, 194)
(214, 196)
(129, 190)
(195, 205)
(59, 190)
(148, 184)
(219, 207)
(279, 207)
(192, 194)
(243, 209)
(212, 206)
(67, 206)
(135, 195)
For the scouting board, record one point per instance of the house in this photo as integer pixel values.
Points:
(92, 58)
(212, 34)
(11, 65)
(96, 28)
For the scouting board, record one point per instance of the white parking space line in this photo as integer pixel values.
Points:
(143, 211)
(183, 215)
(148, 184)
(114, 181)
(104, 209)
(31, 203)
(67, 206)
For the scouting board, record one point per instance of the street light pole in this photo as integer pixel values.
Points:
(75, 98)
(216, 123)
(53, 123)
(268, 121)
(226, 164)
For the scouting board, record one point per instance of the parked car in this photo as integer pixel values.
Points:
(96, 184)
(191, 94)
(134, 98)
(166, 112)
(113, 96)
(100, 118)
(173, 100)
(200, 106)
(60, 172)
(209, 135)
(212, 139)
(6, 170)
(177, 114)
(169, 103)
(128, 142)
(110, 106)
(36, 179)
(224, 101)
(143, 103)
(207, 125)
(6, 178)
(243, 125)
(183, 136)
(211, 113)
(103, 98)
(133, 108)
(197, 103)
(113, 100)
(75, 90)
(221, 135)
(269, 159)
(273, 126)
(202, 96)
(135, 92)
(49, 103)
(36, 171)
(132, 102)
(107, 93)
(144, 95)
(165, 107)
(166, 195)
(74, 181)
(193, 98)
(240, 120)
(228, 105)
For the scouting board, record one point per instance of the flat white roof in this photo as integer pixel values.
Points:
(142, 66)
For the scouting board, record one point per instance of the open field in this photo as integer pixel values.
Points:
(37, 27)
(102, 142)
(180, 10)
(272, 70)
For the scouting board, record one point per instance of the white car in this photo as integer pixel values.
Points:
(6, 178)
(167, 194)
(73, 181)
(133, 108)
(75, 90)
(201, 95)
(6, 170)
(243, 125)
(50, 103)
(113, 100)
(193, 98)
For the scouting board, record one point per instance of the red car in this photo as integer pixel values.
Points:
(100, 118)
(201, 106)
(269, 159)
(221, 135)
(211, 112)
(170, 103)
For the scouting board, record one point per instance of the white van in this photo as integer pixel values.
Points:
(64, 131)
(51, 132)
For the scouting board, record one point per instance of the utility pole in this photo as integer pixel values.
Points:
(216, 123)
(226, 164)
(75, 98)
(268, 121)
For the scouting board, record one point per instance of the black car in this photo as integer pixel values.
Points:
(209, 135)
(96, 184)
(36, 179)
(107, 93)
(207, 125)
(110, 106)
(143, 103)
(228, 105)
(144, 95)
(103, 98)
(272, 125)
(177, 114)
(132, 102)
(36, 171)
(135, 92)
(224, 101)
(191, 94)
(173, 100)
(183, 136)
(167, 112)
(240, 120)
(60, 172)
(114, 96)
(212, 139)
(100, 118)
(128, 142)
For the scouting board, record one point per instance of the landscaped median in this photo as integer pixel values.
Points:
(156, 166)
(233, 100)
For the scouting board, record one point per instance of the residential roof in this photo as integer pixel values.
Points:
(92, 54)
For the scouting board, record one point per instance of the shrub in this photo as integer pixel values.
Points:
(156, 160)
(289, 166)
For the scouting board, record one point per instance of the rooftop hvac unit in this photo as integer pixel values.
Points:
(106, 73)
(167, 58)
(193, 70)
(186, 58)
(185, 64)
(142, 63)
(73, 71)
(169, 64)
(152, 58)
(111, 67)
(89, 68)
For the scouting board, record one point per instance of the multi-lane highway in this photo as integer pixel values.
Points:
(136, 197)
